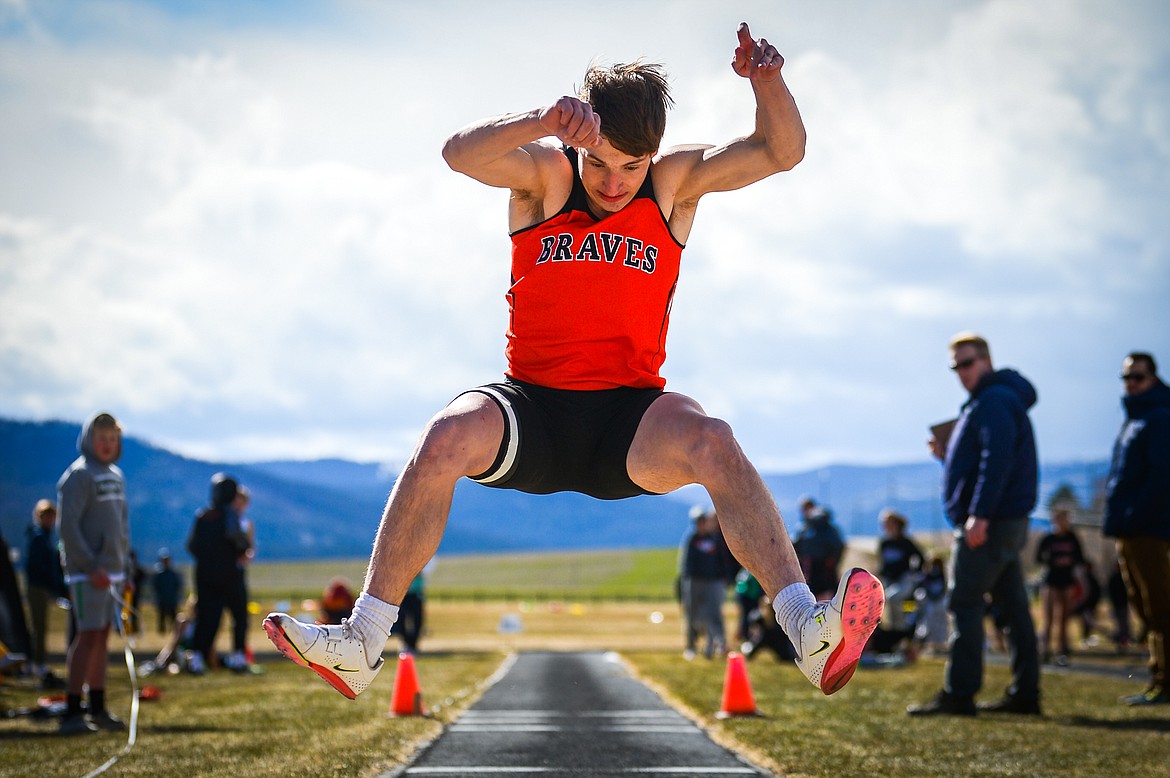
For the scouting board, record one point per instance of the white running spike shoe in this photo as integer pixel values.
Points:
(332, 651)
(832, 639)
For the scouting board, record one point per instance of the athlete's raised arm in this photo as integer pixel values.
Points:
(776, 144)
(503, 150)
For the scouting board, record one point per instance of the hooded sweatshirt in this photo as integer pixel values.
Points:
(93, 515)
(991, 469)
(216, 540)
(1138, 503)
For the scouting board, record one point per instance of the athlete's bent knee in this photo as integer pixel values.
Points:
(459, 441)
(714, 448)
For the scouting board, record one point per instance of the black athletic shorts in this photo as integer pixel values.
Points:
(564, 440)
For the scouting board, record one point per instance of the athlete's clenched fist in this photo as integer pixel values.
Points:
(573, 121)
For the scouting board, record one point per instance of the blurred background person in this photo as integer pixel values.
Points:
(1137, 513)
(134, 593)
(1063, 559)
(216, 542)
(819, 546)
(704, 571)
(990, 485)
(95, 546)
(45, 585)
(901, 565)
(337, 601)
(411, 614)
(168, 591)
(932, 622)
(240, 658)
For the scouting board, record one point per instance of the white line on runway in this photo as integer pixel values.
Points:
(649, 729)
(466, 770)
(552, 714)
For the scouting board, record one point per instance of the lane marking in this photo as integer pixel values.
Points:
(650, 729)
(468, 769)
(575, 714)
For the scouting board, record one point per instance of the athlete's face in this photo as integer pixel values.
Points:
(611, 178)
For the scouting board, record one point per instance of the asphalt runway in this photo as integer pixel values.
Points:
(574, 714)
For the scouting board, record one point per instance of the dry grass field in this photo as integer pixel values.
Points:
(286, 722)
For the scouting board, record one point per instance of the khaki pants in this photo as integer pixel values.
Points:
(1145, 565)
(39, 602)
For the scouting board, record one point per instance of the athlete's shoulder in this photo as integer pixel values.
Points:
(684, 157)
(556, 171)
(673, 167)
(554, 156)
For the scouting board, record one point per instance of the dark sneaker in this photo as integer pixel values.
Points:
(943, 704)
(103, 719)
(75, 725)
(51, 682)
(1010, 704)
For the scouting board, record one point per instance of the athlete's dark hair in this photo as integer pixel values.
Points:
(632, 101)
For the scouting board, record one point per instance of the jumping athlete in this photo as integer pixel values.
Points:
(598, 222)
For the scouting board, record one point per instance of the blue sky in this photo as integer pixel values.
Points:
(230, 224)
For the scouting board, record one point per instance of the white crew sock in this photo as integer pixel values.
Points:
(793, 605)
(373, 619)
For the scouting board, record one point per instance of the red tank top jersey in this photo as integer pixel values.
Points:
(590, 299)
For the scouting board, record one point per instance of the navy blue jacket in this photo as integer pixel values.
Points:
(42, 564)
(991, 469)
(1138, 503)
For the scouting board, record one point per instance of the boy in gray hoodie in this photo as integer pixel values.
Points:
(95, 540)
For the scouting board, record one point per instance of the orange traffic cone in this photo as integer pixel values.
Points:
(738, 699)
(407, 697)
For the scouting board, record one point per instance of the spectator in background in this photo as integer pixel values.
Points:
(1088, 597)
(704, 571)
(901, 563)
(240, 658)
(337, 601)
(1063, 559)
(95, 546)
(990, 480)
(168, 590)
(411, 614)
(931, 627)
(216, 542)
(14, 633)
(45, 581)
(747, 595)
(819, 546)
(1137, 513)
(134, 594)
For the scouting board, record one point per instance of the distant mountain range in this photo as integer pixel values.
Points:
(331, 508)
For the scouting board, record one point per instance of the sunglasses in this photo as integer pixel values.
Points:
(966, 363)
(1135, 377)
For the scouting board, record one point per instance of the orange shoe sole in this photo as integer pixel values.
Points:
(861, 611)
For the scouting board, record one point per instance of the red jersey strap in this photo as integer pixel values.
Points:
(589, 304)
